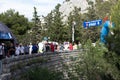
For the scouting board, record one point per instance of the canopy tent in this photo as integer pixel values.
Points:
(6, 34)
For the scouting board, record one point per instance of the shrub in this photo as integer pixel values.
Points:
(39, 73)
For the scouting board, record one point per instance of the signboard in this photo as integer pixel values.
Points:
(92, 23)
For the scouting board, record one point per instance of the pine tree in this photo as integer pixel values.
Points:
(75, 16)
(113, 55)
(37, 28)
(55, 28)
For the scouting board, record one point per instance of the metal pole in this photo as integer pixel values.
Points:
(73, 31)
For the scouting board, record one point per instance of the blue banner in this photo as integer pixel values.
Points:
(5, 35)
(92, 23)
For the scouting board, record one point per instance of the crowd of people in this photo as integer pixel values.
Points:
(11, 49)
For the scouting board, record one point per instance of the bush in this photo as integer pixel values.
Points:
(92, 64)
(39, 73)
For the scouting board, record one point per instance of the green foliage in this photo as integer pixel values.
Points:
(91, 64)
(36, 31)
(55, 25)
(95, 11)
(38, 73)
(64, 32)
(115, 13)
(113, 55)
(92, 33)
(103, 7)
(16, 22)
(91, 14)
(74, 16)
(100, 62)
(35, 17)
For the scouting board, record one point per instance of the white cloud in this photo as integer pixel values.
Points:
(25, 7)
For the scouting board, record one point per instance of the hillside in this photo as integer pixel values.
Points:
(69, 5)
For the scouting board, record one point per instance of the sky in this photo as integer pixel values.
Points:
(25, 7)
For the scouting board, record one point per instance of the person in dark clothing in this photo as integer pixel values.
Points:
(11, 50)
(34, 48)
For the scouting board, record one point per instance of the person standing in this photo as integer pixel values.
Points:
(21, 49)
(26, 49)
(11, 50)
(40, 47)
(70, 47)
(1, 51)
(30, 48)
(17, 50)
(52, 47)
(34, 48)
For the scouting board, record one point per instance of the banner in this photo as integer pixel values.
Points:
(92, 23)
(5, 35)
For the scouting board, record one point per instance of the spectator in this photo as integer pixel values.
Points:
(26, 49)
(5, 50)
(34, 48)
(1, 51)
(17, 50)
(11, 50)
(52, 47)
(61, 47)
(70, 47)
(75, 46)
(21, 49)
(30, 48)
(79, 45)
(40, 46)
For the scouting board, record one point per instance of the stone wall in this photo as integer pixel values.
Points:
(13, 67)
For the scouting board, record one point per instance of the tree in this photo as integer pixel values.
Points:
(75, 16)
(113, 55)
(93, 32)
(55, 25)
(103, 7)
(36, 19)
(36, 30)
(90, 64)
(16, 22)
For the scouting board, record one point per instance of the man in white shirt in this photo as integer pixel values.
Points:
(17, 50)
(21, 49)
(40, 45)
